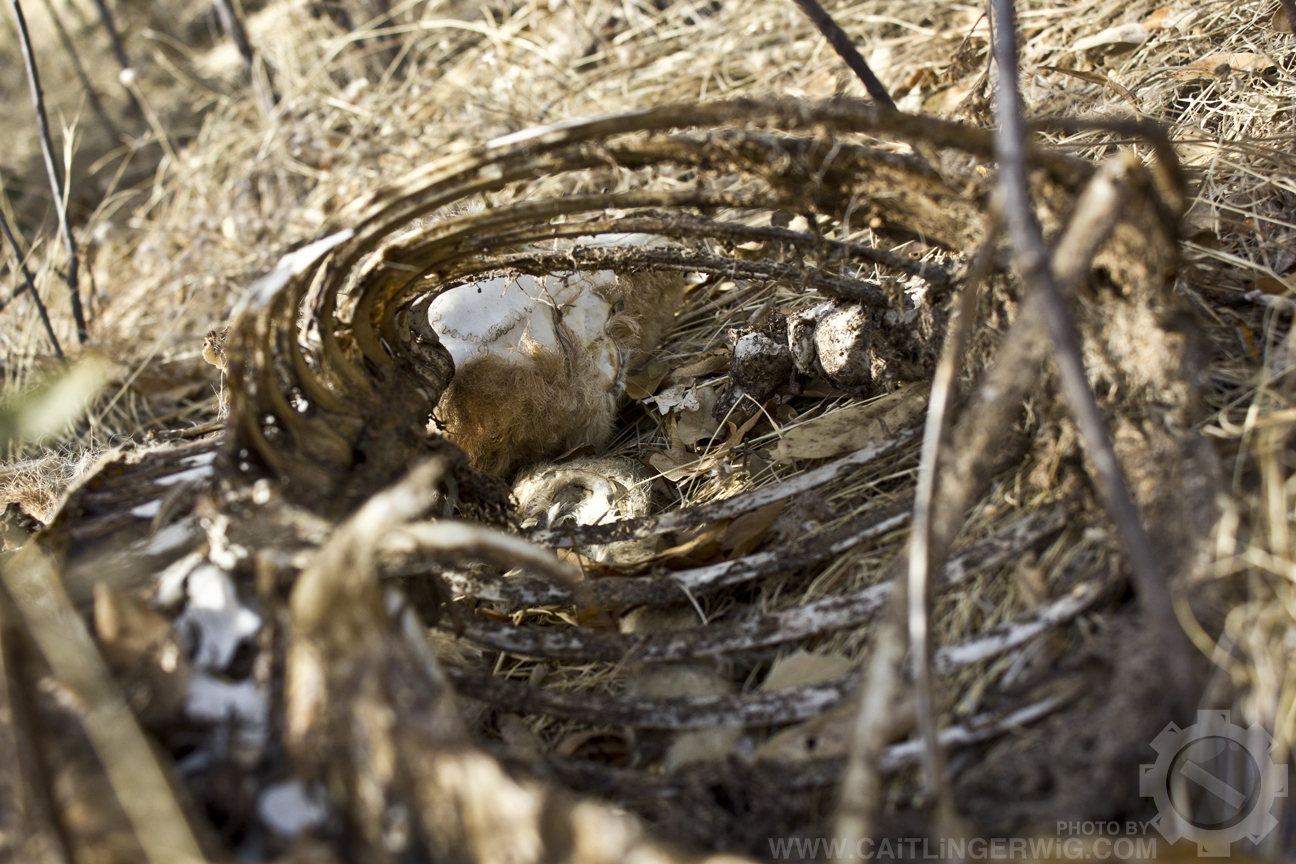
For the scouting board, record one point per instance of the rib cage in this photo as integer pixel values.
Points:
(373, 254)
(333, 374)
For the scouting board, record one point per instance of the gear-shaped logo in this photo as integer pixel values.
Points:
(1214, 783)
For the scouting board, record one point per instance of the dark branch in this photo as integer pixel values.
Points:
(91, 94)
(119, 51)
(845, 49)
(233, 25)
(1033, 267)
(29, 285)
(51, 169)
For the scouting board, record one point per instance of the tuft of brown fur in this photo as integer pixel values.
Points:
(645, 305)
(38, 486)
(509, 413)
(506, 414)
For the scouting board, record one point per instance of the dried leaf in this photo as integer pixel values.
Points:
(748, 531)
(586, 564)
(693, 425)
(1224, 63)
(1170, 18)
(1114, 40)
(126, 626)
(1242, 61)
(679, 397)
(1156, 20)
(55, 403)
(645, 382)
(674, 465)
(699, 746)
(710, 363)
(1270, 285)
(852, 428)
(1094, 78)
(1091, 77)
(802, 668)
(578, 452)
(701, 548)
(140, 646)
(518, 736)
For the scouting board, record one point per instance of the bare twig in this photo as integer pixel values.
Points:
(51, 169)
(29, 285)
(128, 760)
(841, 43)
(127, 74)
(859, 795)
(233, 25)
(453, 539)
(90, 92)
(1036, 275)
(978, 441)
(154, 122)
(934, 435)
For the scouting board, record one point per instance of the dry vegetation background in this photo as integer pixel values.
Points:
(180, 206)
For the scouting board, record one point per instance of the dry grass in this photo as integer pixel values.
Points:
(171, 252)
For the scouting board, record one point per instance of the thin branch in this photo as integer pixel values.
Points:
(91, 95)
(978, 443)
(51, 169)
(29, 285)
(841, 43)
(934, 437)
(119, 51)
(168, 146)
(233, 26)
(1036, 275)
(859, 796)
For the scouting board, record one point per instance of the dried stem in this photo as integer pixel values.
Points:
(29, 285)
(1032, 265)
(127, 74)
(859, 796)
(934, 437)
(150, 116)
(90, 92)
(133, 771)
(841, 43)
(233, 25)
(978, 443)
(51, 169)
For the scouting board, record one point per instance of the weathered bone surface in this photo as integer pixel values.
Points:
(540, 361)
